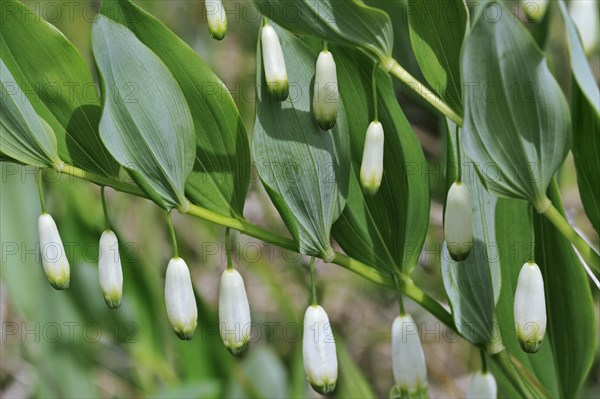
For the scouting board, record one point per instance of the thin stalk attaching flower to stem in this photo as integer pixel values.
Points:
(399, 294)
(484, 365)
(393, 68)
(532, 243)
(40, 176)
(172, 234)
(228, 249)
(313, 282)
(374, 86)
(104, 209)
(458, 156)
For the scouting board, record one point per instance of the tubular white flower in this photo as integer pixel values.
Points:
(535, 9)
(54, 257)
(318, 350)
(371, 168)
(326, 97)
(530, 308)
(216, 18)
(179, 297)
(234, 312)
(482, 386)
(110, 273)
(274, 64)
(408, 359)
(458, 222)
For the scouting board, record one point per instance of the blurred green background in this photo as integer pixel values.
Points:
(70, 345)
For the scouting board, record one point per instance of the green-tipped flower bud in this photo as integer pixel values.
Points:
(179, 297)
(274, 64)
(110, 273)
(234, 312)
(408, 359)
(54, 257)
(458, 222)
(371, 168)
(482, 386)
(534, 9)
(216, 18)
(530, 308)
(325, 96)
(318, 350)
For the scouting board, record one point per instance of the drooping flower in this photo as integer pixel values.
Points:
(530, 308)
(458, 222)
(274, 64)
(54, 257)
(325, 95)
(179, 297)
(216, 18)
(371, 168)
(408, 359)
(234, 312)
(318, 350)
(482, 386)
(109, 269)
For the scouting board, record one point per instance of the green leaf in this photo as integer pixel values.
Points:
(516, 117)
(386, 230)
(436, 36)
(581, 68)
(586, 153)
(146, 123)
(24, 136)
(473, 285)
(585, 107)
(569, 304)
(514, 233)
(304, 169)
(349, 23)
(220, 178)
(58, 84)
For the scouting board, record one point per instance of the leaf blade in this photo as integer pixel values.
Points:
(151, 134)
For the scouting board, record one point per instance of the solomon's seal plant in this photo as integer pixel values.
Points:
(343, 196)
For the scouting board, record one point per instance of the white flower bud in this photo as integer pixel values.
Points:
(535, 9)
(109, 269)
(458, 222)
(408, 359)
(234, 312)
(318, 350)
(216, 18)
(54, 257)
(371, 168)
(482, 386)
(274, 64)
(530, 308)
(179, 297)
(325, 96)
